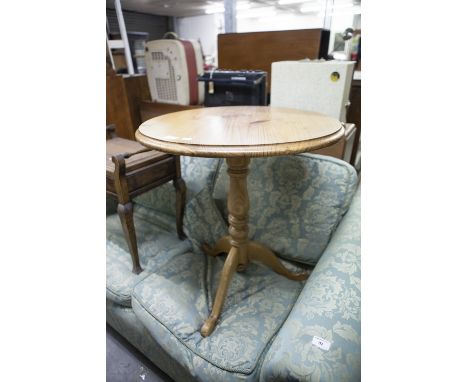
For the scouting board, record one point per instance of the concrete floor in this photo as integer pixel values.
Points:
(124, 363)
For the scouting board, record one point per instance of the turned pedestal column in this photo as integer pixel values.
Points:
(240, 250)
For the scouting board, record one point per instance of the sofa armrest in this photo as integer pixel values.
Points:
(328, 307)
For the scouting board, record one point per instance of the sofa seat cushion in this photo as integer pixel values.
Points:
(156, 236)
(296, 202)
(174, 301)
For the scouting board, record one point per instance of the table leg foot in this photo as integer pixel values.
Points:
(229, 268)
(208, 326)
(258, 252)
(222, 246)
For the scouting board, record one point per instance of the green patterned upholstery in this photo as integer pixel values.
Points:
(328, 307)
(155, 235)
(204, 222)
(154, 218)
(197, 174)
(296, 202)
(266, 328)
(174, 301)
(124, 320)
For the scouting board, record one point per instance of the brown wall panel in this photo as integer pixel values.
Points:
(257, 50)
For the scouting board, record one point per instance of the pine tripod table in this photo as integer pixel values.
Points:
(238, 133)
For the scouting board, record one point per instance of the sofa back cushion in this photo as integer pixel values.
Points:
(296, 202)
(197, 174)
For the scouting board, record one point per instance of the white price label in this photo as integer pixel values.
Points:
(321, 343)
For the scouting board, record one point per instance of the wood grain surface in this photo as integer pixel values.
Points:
(249, 131)
(123, 97)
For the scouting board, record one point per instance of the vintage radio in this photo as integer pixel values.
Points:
(172, 68)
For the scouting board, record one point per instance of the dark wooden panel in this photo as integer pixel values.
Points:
(151, 173)
(149, 109)
(110, 187)
(137, 90)
(354, 116)
(257, 50)
(119, 146)
(123, 97)
(116, 104)
(142, 171)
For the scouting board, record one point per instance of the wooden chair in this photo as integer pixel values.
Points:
(132, 169)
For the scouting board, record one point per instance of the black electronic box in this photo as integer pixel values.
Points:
(234, 88)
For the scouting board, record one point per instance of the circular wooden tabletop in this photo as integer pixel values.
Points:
(244, 131)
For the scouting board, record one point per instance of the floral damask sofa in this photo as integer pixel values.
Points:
(307, 209)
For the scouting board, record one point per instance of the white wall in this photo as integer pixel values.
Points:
(207, 27)
(203, 28)
(279, 22)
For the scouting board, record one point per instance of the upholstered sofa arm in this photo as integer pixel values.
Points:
(328, 308)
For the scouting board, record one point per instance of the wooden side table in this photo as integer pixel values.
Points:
(239, 133)
(132, 169)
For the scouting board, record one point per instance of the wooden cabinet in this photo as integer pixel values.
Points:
(257, 50)
(124, 94)
(152, 109)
